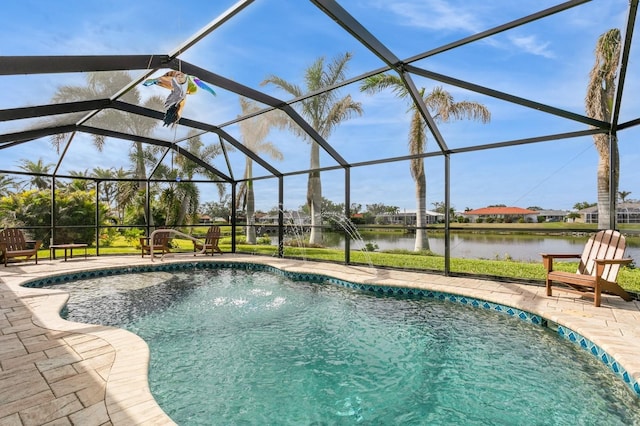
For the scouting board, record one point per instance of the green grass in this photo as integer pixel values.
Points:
(628, 278)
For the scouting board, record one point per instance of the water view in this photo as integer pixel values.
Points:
(480, 246)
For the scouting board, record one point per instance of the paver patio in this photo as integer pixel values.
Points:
(55, 372)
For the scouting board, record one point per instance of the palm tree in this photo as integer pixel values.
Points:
(443, 108)
(185, 194)
(7, 185)
(125, 192)
(254, 132)
(623, 195)
(323, 112)
(104, 85)
(38, 171)
(177, 197)
(108, 186)
(599, 105)
(79, 184)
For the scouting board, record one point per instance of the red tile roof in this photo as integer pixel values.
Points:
(500, 211)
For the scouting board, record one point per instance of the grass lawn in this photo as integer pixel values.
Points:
(628, 278)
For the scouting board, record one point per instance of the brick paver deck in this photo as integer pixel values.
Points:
(55, 372)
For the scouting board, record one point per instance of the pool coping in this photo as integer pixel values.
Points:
(607, 332)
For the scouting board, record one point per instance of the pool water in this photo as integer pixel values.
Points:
(242, 347)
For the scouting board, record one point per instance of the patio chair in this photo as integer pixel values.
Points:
(598, 269)
(160, 244)
(210, 241)
(14, 245)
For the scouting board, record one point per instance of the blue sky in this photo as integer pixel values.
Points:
(547, 61)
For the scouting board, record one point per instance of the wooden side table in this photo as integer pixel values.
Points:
(65, 247)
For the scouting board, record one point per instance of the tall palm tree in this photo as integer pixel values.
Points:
(599, 105)
(187, 194)
(177, 197)
(323, 112)
(254, 131)
(38, 171)
(108, 186)
(623, 195)
(79, 184)
(7, 185)
(444, 109)
(104, 85)
(125, 192)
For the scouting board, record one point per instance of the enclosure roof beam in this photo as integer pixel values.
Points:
(526, 141)
(15, 65)
(136, 109)
(52, 109)
(360, 33)
(506, 97)
(444, 48)
(30, 112)
(195, 38)
(29, 135)
(515, 142)
(630, 123)
(258, 96)
(499, 29)
(624, 62)
(156, 142)
(210, 27)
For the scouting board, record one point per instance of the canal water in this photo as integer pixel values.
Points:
(482, 246)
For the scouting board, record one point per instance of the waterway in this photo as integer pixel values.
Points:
(481, 246)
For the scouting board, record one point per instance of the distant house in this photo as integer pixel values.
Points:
(501, 214)
(205, 219)
(625, 213)
(407, 218)
(553, 215)
(291, 217)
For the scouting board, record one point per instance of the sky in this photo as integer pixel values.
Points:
(547, 61)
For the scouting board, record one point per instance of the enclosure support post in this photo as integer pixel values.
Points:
(97, 218)
(347, 213)
(447, 219)
(53, 209)
(233, 217)
(147, 208)
(280, 216)
(613, 180)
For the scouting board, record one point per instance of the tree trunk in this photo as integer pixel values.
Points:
(422, 241)
(314, 197)
(141, 174)
(603, 194)
(605, 190)
(251, 206)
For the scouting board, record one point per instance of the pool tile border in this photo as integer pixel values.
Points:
(382, 290)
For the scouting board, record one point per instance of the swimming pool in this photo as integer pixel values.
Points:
(341, 356)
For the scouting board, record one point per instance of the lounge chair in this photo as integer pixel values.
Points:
(13, 245)
(598, 269)
(210, 241)
(160, 243)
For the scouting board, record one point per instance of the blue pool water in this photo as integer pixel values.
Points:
(235, 347)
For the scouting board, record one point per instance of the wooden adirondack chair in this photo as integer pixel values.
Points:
(160, 244)
(13, 244)
(210, 241)
(598, 269)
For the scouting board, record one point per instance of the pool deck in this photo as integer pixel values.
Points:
(55, 372)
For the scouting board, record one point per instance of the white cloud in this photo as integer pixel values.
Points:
(531, 44)
(434, 15)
